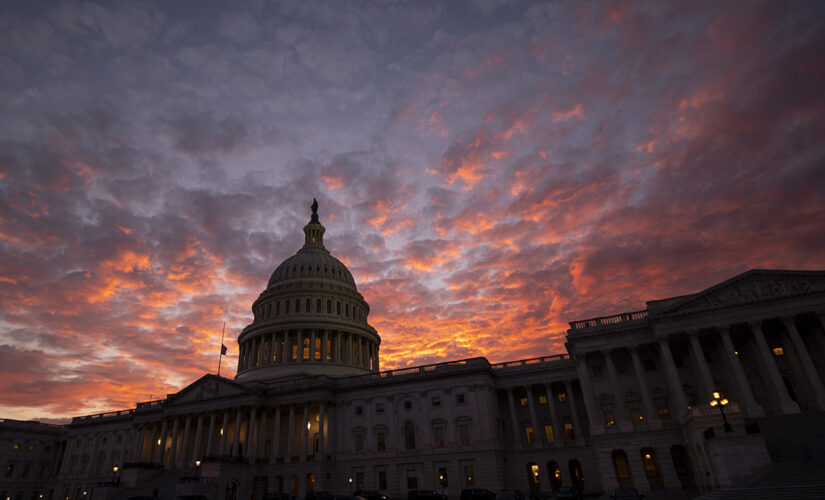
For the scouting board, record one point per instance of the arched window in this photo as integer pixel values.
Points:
(650, 463)
(622, 468)
(308, 304)
(532, 474)
(297, 305)
(329, 307)
(554, 475)
(576, 474)
(318, 306)
(338, 308)
(409, 436)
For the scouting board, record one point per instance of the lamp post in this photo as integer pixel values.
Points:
(721, 402)
(350, 484)
(441, 483)
(114, 474)
(197, 469)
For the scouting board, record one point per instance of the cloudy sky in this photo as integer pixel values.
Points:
(488, 170)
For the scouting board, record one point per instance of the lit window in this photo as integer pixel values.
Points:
(16, 446)
(523, 401)
(542, 399)
(778, 351)
(548, 433)
(534, 473)
(562, 397)
(528, 432)
(568, 431)
(609, 419)
(31, 447)
(468, 476)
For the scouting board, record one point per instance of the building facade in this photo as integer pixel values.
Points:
(628, 404)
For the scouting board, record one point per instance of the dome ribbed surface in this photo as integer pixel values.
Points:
(311, 264)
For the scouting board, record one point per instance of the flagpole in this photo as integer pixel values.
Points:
(223, 330)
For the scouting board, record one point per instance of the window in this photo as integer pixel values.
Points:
(438, 435)
(382, 480)
(522, 401)
(10, 470)
(528, 433)
(318, 305)
(16, 446)
(26, 470)
(649, 365)
(359, 480)
(778, 352)
(286, 307)
(305, 350)
(436, 401)
(548, 433)
(459, 399)
(468, 476)
(534, 473)
(621, 465)
(562, 396)
(338, 308)
(379, 408)
(464, 433)
(412, 479)
(381, 441)
(346, 310)
(359, 441)
(329, 307)
(407, 405)
(409, 436)
(543, 399)
(40, 471)
(443, 482)
(359, 410)
(609, 419)
(277, 309)
(568, 431)
(308, 306)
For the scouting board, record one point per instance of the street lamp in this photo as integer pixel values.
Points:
(441, 482)
(350, 484)
(721, 402)
(197, 469)
(114, 474)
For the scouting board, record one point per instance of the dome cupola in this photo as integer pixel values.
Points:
(310, 320)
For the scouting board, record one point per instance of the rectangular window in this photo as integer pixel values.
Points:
(438, 436)
(297, 305)
(26, 470)
(294, 352)
(443, 482)
(568, 431)
(10, 470)
(528, 432)
(359, 442)
(469, 480)
(609, 419)
(379, 408)
(305, 350)
(436, 402)
(359, 480)
(286, 307)
(308, 306)
(329, 350)
(412, 480)
(40, 471)
(523, 401)
(562, 397)
(359, 410)
(381, 440)
(459, 399)
(317, 353)
(542, 399)
(464, 433)
(382, 480)
(548, 433)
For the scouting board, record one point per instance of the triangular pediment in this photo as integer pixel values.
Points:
(207, 387)
(751, 287)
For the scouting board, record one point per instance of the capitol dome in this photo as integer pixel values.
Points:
(310, 320)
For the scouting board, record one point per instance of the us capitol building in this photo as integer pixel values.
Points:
(636, 400)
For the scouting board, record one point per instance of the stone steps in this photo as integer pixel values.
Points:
(803, 480)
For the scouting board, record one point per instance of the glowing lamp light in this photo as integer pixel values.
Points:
(309, 425)
(647, 456)
(721, 402)
(114, 469)
(158, 441)
(197, 463)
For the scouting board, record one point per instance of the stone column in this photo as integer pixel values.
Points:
(514, 418)
(377, 361)
(337, 352)
(558, 432)
(184, 448)
(651, 415)
(702, 367)
(224, 431)
(150, 453)
(138, 453)
(325, 347)
(210, 437)
(786, 404)
(261, 446)
(534, 421)
(312, 336)
(589, 396)
(250, 436)
(276, 434)
(291, 432)
(196, 446)
(620, 407)
(236, 442)
(321, 442)
(173, 455)
(748, 403)
(305, 428)
(806, 362)
(678, 399)
(351, 349)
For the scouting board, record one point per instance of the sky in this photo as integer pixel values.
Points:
(488, 170)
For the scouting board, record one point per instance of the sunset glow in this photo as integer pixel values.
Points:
(487, 170)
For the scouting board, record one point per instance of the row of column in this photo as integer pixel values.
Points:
(179, 441)
(322, 346)
(538, 430)
(678, 399)
(109, 449)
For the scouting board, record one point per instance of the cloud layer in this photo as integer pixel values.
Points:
(488, 171)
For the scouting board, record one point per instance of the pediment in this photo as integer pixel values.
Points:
(205, 388)
(751, 287)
